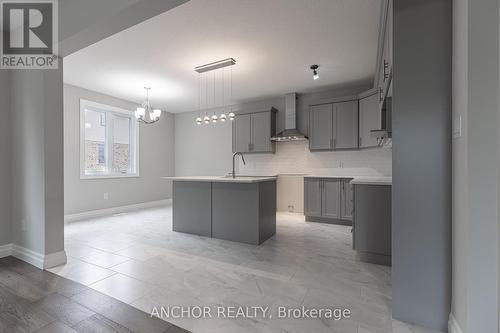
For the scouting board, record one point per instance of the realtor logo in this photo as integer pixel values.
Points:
(29, 34)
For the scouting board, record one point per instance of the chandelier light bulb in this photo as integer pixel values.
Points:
(140, 112)
(223, 117)
(199, 121)
(231, 115)
(215, 118)
(206, 119)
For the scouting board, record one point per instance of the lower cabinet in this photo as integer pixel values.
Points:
(373, 223)
(328, 200)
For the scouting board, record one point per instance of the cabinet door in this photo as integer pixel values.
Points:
(347, 200)
(346, 125)
(261, 132)
(312, 197)
(330, 207)
(242, 133)
(321, 127)
(369, 119)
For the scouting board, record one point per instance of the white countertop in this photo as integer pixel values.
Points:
(223, 179)
(372, 181)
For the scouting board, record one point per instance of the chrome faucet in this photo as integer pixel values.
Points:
(234, 158)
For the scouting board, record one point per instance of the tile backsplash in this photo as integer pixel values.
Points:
(295, 158)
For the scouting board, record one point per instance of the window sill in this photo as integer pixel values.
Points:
(90, 177)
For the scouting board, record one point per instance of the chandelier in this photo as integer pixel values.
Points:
(214, 68)
(145, 113)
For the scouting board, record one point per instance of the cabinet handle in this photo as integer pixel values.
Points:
(380, 94)
(360, 142)
(386, 72)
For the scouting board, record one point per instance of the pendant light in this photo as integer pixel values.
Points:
(218, 66)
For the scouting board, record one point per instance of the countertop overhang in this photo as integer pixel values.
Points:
(357, 180)
(372, 181)
(223, 179)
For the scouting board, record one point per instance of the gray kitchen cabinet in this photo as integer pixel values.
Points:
(385, 60)
(312, 197)
(346, 125)
(328, 200)
(347, 207)
(373, 223)
(330, 206)
(369, 119)
(252, 132)
(261, 132)
(244, 213)
(242, 135)
(321, 127)
(333, 126)
(192, 208)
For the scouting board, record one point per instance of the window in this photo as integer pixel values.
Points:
(108, 141)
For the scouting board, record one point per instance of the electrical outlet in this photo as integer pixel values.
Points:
(106, 196)
(24, 226)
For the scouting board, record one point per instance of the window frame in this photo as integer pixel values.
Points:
(110, 111)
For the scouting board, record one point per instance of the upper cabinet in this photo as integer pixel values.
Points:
(369, 119)
(385, 52)
(345, 125)
(321, 127)
(333, 126)
(252, 132)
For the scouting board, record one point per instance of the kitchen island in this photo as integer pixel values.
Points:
(240, 209)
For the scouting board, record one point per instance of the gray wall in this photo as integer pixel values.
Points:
(37, 160)
(5, 161)
(207, 149)
(421, 268)
(156, 150)
(483, 165)
(475, 303)
(460, 165)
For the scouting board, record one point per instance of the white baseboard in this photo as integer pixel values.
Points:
(36, 259)
(5, 250)
(453, 326)
(114, 210)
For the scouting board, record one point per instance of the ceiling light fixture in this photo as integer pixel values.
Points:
(315, 71)
(214, 67)
(145, 113)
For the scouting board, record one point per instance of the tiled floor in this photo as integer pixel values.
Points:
(136, 258)
(32, 300)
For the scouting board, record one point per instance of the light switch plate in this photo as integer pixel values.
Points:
(457, 127)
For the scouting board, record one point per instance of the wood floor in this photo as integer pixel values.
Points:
(33, 300)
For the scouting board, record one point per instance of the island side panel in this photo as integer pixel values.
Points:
(373, 223)
(235, 212)
(267, 210)
(192, 207)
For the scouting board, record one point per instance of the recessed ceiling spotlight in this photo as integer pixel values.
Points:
(315, 71)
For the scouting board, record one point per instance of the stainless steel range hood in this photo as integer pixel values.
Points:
(291, 133)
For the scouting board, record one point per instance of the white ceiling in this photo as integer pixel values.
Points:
(273, 41)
